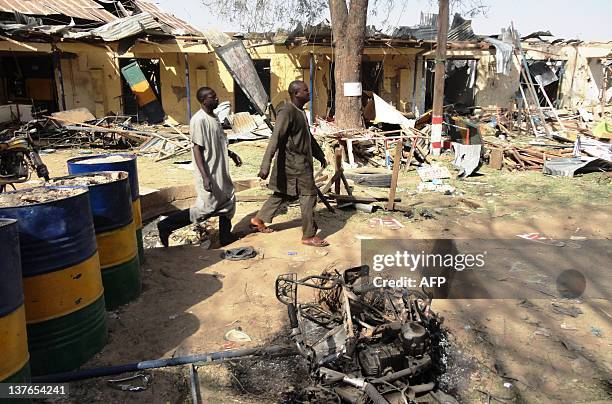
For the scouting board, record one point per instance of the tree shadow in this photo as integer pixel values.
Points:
(327, 222)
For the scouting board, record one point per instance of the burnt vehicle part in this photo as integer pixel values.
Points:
(363, 344)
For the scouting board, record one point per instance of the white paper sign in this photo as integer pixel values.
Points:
(352, 89)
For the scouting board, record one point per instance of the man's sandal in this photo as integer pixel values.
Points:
(315, 242)
(257, 224)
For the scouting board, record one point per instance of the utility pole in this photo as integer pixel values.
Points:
(438, 100)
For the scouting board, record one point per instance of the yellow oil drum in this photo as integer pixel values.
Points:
(14, 367)
(111, 207)
(115, 162)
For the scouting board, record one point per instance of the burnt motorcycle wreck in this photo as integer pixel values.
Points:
(364, 344)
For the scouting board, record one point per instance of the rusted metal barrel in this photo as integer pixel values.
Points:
(111, 207)
(62, 284)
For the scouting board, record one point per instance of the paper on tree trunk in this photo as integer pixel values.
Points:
(352, 90)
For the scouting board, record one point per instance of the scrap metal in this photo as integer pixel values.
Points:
(364, 343)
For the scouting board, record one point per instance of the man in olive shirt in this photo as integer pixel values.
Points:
(292, 175)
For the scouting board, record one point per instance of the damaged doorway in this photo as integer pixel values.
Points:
(547, 75)
(459, 84)
(28, 80)
(129, 103)
(241, 101)
(371, 80)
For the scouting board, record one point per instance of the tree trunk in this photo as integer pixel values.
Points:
(349, 29)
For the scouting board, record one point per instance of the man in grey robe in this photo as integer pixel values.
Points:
(212, 180)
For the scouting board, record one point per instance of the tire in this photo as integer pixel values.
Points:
(370, 177)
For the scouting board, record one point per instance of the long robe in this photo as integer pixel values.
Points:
(293, 172)
(207, 132)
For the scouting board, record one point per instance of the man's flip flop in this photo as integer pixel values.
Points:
(260, 226)
(315, 242)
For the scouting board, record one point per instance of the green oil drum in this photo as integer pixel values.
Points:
(62, 284)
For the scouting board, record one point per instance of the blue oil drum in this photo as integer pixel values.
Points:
(111, 206)
(115, 162)
(14, 367)
(62, 284)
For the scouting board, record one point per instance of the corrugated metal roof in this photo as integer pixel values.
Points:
(126, 27)
(176, 24)
(84, 9)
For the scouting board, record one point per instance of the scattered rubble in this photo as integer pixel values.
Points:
(88, 179)
(34, 196)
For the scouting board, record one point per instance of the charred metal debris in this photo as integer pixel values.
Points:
(364, 344)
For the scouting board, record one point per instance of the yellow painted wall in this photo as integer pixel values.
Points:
(92, 78)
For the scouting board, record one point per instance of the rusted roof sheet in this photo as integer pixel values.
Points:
(84, 9)
(176, 24)
(126, 27)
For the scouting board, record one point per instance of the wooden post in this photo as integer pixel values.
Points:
(438, 100)
(338, 167)
(349, 152)
(396, 165)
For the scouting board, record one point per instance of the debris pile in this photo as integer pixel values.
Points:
(362, 342)
(37, 195)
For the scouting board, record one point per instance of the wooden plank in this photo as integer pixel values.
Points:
(329, 184)
(360, 199)
(346, 184)
(396, 165)
(496, 159)
(325, 201)
(338, 166)
(251, 198)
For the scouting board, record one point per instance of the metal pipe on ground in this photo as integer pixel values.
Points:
(206, 358)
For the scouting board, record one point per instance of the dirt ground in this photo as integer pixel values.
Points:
(504, 350)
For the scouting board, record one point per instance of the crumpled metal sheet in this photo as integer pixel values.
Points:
(543, 74)
(467, 158)
(178, 26)
(127, 27)
(568, 167)
(503, 54)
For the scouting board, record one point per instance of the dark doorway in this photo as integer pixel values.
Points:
(547, 76)
(29, 80)
(371, 76)
(241, 101)
(459, 84)
(150, 69)
(371, 80)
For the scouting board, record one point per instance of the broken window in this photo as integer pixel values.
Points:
(547, 76)
(241, 101)
(129, 103)
(28, 80)
(459, 83)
